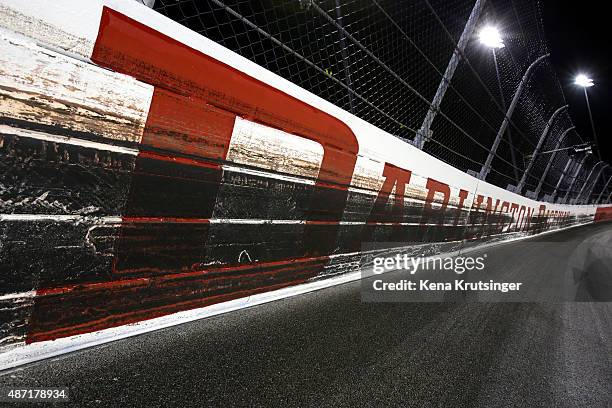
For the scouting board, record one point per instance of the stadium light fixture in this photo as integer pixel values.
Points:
(490, 37)
(583, 81)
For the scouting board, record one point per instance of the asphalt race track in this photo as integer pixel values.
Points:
(329, 349)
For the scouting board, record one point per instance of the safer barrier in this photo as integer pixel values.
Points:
(603, 214)
(147, 170)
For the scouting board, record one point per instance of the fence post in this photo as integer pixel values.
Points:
(571, 187)
(486, 168)
(587, 180)
(148, 3)
(550, 161)
(521, 183)
(565, 171)
(587, 196)
(603, 190)
(424, 133)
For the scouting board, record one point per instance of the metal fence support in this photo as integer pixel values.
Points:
(521, 183)
(486, 168)
(603, 190)
(565, 172)
(587, 196)
(586, 181)
(575, 177)
(303, 40)
(503, 104)
(148, 3)
(551, 160)
(424, 133)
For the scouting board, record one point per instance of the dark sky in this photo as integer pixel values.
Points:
(580, 41)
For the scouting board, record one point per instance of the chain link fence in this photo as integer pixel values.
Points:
(384, 61)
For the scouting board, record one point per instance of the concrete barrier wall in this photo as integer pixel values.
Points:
(603, 214)
(146, 170)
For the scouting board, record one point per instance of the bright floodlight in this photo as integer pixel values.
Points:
(490, 37)
(583, 81)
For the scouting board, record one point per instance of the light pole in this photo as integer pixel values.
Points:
(585, 82)
(490, 37)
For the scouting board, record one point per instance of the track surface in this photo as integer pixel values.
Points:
(329, 349)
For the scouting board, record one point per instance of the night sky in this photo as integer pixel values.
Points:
(579, 38)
